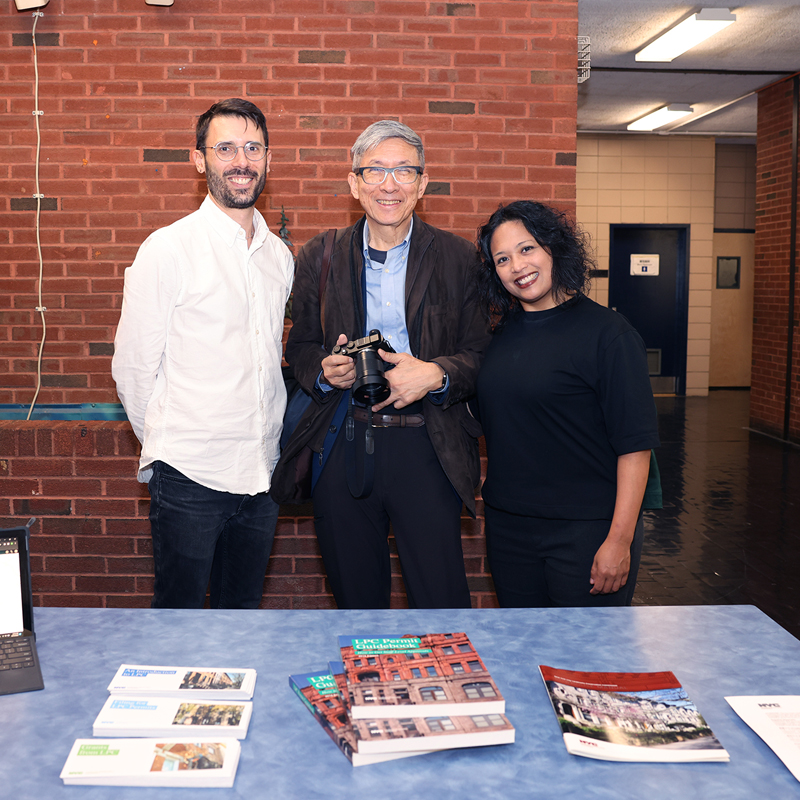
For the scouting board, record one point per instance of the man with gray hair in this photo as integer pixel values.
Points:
(409, 458)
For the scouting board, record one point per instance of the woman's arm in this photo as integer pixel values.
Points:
(613, 560)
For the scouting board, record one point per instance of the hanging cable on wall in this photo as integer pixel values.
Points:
(39, 196)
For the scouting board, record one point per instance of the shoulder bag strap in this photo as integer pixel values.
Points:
(330, 237)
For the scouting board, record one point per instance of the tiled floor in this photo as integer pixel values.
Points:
(729, 531)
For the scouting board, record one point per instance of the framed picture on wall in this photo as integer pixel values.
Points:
(728, 272)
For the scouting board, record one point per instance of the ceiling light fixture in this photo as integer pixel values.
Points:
(663, 116)
(687, 34)
(26, 5)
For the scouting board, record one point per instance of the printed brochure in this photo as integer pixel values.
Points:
(426, 675)
(776, 719)
(202, 683)
(172, 716)
(318, 692)
(629, 716)
(152, 762)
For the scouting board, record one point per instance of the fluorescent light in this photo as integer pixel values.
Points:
(687, 34)
(661, 117)
(25, 5)
(159, 2)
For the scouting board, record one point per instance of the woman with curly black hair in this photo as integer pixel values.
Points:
(568, 414)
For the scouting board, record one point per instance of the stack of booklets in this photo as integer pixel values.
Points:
(185, 724)
(629, 716)
(389, 697)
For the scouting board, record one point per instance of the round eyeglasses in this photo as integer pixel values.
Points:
(226, 151)
(375, 175)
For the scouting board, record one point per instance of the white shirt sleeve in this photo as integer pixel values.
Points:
(152, 286)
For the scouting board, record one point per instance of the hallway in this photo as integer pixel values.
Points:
(729, 532)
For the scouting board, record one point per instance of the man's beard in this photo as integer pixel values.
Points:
(220, 189)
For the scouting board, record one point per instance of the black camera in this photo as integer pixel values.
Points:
(370, 386)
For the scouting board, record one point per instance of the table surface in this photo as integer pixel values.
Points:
(713, 650)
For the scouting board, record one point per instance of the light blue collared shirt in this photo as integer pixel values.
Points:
(386, 301)
(386, 292)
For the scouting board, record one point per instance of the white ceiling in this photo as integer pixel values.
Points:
(762, 46)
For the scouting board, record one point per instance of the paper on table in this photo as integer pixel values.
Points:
(776, 719)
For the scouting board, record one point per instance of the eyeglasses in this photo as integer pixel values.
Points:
(226, 151)
(376, 175)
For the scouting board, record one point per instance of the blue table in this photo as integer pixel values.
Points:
(713, 650)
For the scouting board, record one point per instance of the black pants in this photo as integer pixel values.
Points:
(412, 493)
(541, 563)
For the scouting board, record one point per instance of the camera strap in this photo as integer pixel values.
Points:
(362, 488)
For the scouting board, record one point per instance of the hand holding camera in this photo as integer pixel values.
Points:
(410, 379)
(369, 384)
(339, 371)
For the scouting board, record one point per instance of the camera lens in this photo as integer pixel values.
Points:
(370, 386)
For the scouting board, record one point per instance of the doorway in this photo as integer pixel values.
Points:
(648, 282)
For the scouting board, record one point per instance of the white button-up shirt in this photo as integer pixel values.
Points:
(198, 350)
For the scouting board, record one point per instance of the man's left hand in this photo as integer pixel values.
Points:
(409, 380)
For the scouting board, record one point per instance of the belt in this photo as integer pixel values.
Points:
(389, 420)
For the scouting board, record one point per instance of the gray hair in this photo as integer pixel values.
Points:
(381, 131)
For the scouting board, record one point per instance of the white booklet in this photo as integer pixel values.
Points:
(152, 762)
(776, 719)
(201, 683)
(172, 716)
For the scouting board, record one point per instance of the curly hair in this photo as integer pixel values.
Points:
(565, 243)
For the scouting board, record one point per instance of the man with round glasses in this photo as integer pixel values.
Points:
(412, 458)
(198, 369)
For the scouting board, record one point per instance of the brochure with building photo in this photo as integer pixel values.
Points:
(776, 719)
(172, 716)
(417, 675)
(318, 692)
(202, 683)
(629, 716)
(152, 762)
(429, 733)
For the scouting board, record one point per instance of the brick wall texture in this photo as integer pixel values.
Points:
(772, 255)
(490, 85)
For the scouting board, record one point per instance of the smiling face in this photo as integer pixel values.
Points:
(233, 184)
(524, 267)
(388, 205)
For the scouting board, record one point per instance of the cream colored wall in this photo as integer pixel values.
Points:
(732, 314)
(655, 180)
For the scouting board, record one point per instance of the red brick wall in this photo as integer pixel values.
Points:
(771, 297)
(490, 85)
(91, 542)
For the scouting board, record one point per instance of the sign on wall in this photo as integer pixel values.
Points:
(644, 264)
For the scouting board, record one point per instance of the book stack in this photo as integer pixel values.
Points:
(166, 726)
(390, 697)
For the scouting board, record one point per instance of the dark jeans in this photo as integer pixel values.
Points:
(541, 563)
(206, 538)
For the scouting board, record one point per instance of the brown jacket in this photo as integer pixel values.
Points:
(444, 323)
